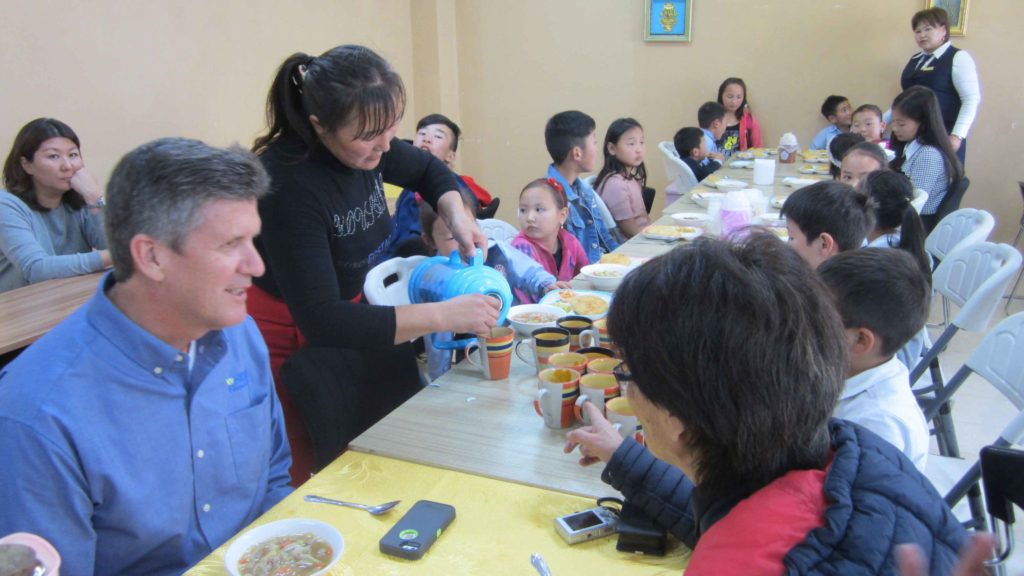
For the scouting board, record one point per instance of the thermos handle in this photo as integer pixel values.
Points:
(451, 344)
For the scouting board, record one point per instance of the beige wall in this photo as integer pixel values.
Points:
(122, 73)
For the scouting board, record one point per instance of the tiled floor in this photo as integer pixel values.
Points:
(980, 411)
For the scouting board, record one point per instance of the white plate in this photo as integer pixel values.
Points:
(748, 164)
(731, 184)
(798, 182)
(778, 201)
(554, 298)
(714, 180)
(691, 218)
(283, 528)
(697, 231)
(701, 198)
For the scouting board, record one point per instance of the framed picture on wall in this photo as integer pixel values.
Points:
(957, 10)
(667, 20)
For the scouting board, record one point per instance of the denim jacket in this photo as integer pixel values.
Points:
(585, 222)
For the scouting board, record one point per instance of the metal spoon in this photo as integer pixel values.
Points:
(539, 564)
(375, 510)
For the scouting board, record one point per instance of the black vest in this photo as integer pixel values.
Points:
(937, 75)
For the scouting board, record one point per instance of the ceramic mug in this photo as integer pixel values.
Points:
(602, 365)
(581, 331)
(604, 340)
(595, 352)
(572, 360)
(596, 389)
(495, 351)
(545, 342)
(557, 390)
(623, 417)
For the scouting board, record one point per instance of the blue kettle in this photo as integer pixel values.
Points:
(441, 278)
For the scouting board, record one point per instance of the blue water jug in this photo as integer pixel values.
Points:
(441, 278)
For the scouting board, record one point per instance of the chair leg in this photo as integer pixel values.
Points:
(945, 312)
(945, 432)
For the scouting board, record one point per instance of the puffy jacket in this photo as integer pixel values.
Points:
(875, 499)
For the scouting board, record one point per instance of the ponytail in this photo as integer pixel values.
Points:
(912, 236)
(286, 114)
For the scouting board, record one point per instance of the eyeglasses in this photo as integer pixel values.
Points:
(622, 373)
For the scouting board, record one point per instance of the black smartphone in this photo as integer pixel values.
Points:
(416, 532)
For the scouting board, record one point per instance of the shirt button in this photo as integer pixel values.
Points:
(179, 358)
(206, 507)
(200, 453)
(158, 370)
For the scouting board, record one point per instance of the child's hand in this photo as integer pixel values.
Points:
(717, 156)
(597, 442)
(558, 286)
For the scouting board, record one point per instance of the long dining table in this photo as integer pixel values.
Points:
(29, 312)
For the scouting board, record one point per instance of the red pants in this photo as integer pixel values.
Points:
(283, 339)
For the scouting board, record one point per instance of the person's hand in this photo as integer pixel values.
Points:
(955, 141)
(471, 314)
(596, 442)
(464, 229)
(911, 561)
(85, 184)
(105, 258)
(560, 285)
(717, 156)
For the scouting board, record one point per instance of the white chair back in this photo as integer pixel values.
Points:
(962, 227)
(919, 200)
(1000, 360)
(974, 277)
(396, 293)
(498, 230)
(676, 170)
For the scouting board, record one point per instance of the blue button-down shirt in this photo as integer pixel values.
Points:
(584, 221)
(822, 138)
(127, 460)
(709, 139)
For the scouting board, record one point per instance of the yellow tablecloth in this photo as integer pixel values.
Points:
(497, 525)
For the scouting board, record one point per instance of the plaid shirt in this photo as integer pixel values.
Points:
(925, 168)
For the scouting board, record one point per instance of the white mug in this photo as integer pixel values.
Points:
(622, 416)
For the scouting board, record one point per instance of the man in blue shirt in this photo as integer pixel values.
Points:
(143, 431)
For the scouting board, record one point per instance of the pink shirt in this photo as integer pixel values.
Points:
(573, 256)
(623, 197)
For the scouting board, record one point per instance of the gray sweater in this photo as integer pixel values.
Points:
(37, 246)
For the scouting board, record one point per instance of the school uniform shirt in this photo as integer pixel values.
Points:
(130, 456)
(880, 400)
(822, 138)
(926, 169)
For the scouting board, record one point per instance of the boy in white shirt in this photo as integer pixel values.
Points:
(883, 298)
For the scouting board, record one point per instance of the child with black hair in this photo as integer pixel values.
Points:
(883, 299)
(860, 160)
(837, 148)
(869, 122)
(826, 218)
(543, 212)
(621, 181)
(837, 110)
(693, 150)
(569, 138)
(742, 130)
(711, 119)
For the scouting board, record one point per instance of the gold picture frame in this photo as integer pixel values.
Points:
(667, 20)
(957, 11)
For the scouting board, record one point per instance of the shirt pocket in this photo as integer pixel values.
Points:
(249, 436)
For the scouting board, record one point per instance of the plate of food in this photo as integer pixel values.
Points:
(793, 182)
(621, 259)
(605, 276)
(308, 547)
(748, 164)
(590, 303)
(815, 156)
(668, 232)
(689, 219)
(814, 169)
(715, 180)
(526, 318)
(752, 153)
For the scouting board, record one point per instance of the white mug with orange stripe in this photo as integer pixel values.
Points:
(557, 390)
(545, 342)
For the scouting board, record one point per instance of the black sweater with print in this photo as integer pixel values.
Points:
(325, 225)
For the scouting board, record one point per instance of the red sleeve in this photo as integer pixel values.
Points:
(481, 194)
(756, 141)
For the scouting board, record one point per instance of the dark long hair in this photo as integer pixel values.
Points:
(26, 144)
(920, 105)
(611, 163)
(345, 84)
(745, 106)
(891, 193)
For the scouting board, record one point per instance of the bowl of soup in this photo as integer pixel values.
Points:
(526, 318)
(303, 546)
(605, 276)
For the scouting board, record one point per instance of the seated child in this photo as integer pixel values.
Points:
(693, 150)
(542, 213)
(824, 219)
(837, 148)
(569, 138)
(621, 181)
(859, 160)
(867, 121)
(837, 110)
(742, 129)
(711, 119)
(883, 299)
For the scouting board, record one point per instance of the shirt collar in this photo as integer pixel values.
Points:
(868, 378)
(137, 344)
(570, 190)
(912, 148)
(941, 49)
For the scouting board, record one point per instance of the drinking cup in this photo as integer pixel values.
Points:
(545, 342)
(572, 360)
(621, 414)
(595, 352)
(581, 331)
(557, 391)
(603, 365)
(596, 389)
(604, 339)
(495, 352)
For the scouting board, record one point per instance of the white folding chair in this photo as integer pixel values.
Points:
(498, 230)
(919, 200)
(678, 173)
(973, 277)
(965, 226)
(999, 360)
(377, 288)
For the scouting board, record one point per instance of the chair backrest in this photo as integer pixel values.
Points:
(965, 226)
(498, 230)
(396, 293)
(675, 169)
(974, 277)
(951, 201)
(490, 210)
(920, 199)
(999, 359)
